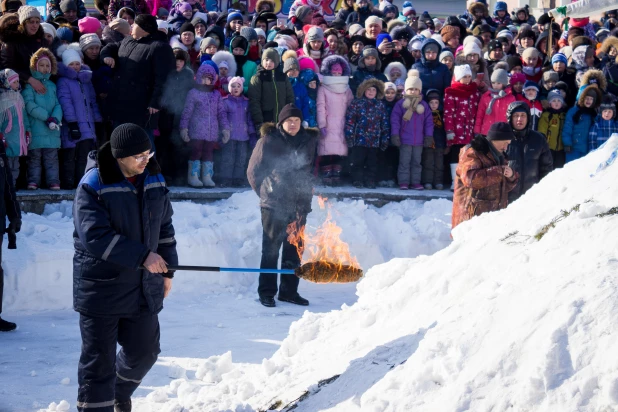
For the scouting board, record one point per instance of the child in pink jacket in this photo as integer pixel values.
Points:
(494, 103)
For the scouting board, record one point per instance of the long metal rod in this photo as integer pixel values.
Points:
(236, 270)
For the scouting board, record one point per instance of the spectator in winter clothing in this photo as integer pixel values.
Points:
(479, 15)
(605, 124)
(501, 14)
(142, 63)
(411, 130)
(433, 152)
(559, 64)
(182, 15)
(363, 11)
(433, 74)
(347, 7)
(532, 64)
(203, 117)
(269, 90)
(528, 153)
(233, 26)
(314, 46)
(472, 55)
(334, 96)
(123, 222)
(137, 6)
(367, 130)
(579, 120)
(280, 173)
(80, 115)
(551, 125)
(550, 78)
(246, 68)
(522, 16)
(460, 106)
(494, 103)
(311, 82)
(531, 94)
(484, 179)
(45, 115)
(14, 122)
(242, 134)
(516, 87)
(54, 8)
(187, 41)
(291, 68)
(369, 66)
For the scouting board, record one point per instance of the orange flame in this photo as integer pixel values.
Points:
(325, 245)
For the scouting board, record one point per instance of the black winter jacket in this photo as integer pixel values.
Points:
(280, 169)
(142, 68)
(117, 225)
(528, 154)
(10, 206)
(17, 50)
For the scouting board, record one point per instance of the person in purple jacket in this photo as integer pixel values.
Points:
(202, 118)
(80, 113)
(234, 151)
(411, 125)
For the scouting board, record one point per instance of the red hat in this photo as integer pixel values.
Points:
(581, 23)
(518, 78)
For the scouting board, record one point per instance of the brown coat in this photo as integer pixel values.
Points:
(480, 185)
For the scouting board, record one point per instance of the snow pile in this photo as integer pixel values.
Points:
(38, 275)
(503, 318)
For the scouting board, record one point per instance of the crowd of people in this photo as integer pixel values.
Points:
(395, 95)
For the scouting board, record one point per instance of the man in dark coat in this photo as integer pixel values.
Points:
(528, 153)
(433, 73)
(123, 224)
(141, 63)
(280, 173)
(8, 208)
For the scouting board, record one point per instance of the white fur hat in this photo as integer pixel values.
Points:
(69, 56)
(472, 48)
(461, 71)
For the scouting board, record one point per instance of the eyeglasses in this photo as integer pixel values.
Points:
(141, 158)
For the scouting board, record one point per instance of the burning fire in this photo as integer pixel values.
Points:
(325, 246)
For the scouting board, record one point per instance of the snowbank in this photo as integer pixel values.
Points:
(498, 320)
(225, 233)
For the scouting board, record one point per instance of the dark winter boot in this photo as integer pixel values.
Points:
(6, 326)
(371, 184)
(327, 175)
(225, 182)
(336, 175)
(297, 300)
(124, 406)
(268, 301)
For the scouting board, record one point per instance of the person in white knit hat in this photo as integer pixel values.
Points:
(373, 27)
(411, 129)
(460, 105)
(474, 58)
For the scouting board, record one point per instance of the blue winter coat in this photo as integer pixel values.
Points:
(301, 98)
(360, 75)
(117, 225)
(576, 135)
(433, 74)
(366, 121)
(41, 107)
(79, 103)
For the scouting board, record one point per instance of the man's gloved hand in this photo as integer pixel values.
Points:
(74, 133)
(15, 225)
(226, 136)
(428, 141)
(184, 134)
(396, 140)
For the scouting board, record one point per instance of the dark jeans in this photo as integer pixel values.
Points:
(274, 225)
(74, 163)
(104, 376)
(364, 163)
(388, 163)
(233, 160)
(433, 166)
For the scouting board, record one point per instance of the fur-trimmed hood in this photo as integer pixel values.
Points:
(478, 5)
(224, 56)
(261, 3)
(373, 82)
(47, 53)
(9, 33)
(594, 76)
(592, 89)
(393, 65)
(328, 62)
(109, 172)
(394, 23)
(609, 42)
(399, 32)
(175, 43)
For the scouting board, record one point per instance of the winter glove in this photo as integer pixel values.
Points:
(305, 124)
(14, 227)
(226, 136)
(184, 134)
(450, 136)
(324, 131)
(74, 133)
(253, 140)
(567, 149)
(396, 140)
(53, 123)
(428, 141)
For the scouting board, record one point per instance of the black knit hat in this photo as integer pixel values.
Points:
(129, 140)
(187, 26)
(147, 23)
(513, 62)
(289, 110)
(239, 42)
(500, 131)
(493, 45)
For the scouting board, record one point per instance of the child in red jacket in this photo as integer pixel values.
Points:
(461, 101)
(494, 103)
(531, 92)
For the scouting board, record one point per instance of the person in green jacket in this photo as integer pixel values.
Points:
(246, 68)
(44, 114)
(14, 124)
(270, 90)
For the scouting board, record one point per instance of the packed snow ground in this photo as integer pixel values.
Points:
(206, 315)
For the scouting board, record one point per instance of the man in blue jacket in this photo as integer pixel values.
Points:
(123, 223)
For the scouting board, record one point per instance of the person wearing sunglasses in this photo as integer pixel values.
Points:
(124, 242)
